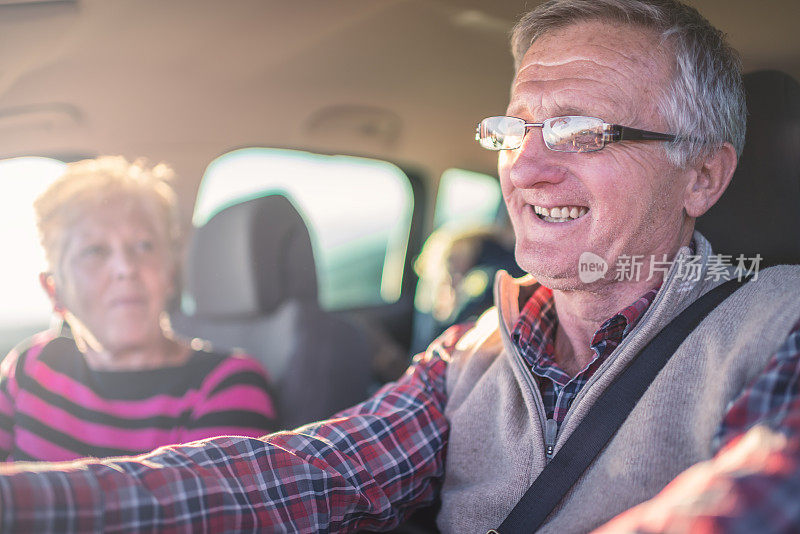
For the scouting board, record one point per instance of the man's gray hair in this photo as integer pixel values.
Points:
(704, 105)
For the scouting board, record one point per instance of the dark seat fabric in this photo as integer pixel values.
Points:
(760, 211)
(251, 281)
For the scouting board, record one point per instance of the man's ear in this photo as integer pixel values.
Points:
(48, 283)
(710, 177)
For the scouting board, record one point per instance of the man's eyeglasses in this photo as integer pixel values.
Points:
(562, 134)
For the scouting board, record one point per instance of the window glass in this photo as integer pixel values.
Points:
(358, 212)
(467, 205)
(24, 307)
(466, 199)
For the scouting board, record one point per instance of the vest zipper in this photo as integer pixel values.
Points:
(519, 361)
(550, 433)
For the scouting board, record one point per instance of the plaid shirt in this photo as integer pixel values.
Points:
(534, 335)
(369, 466)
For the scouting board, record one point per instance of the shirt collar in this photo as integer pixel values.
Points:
(534, 331)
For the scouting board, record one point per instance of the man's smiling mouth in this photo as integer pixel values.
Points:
(560, 214)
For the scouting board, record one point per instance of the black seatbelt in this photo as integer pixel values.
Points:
(606, 416)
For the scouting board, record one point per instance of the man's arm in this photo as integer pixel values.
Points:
(753, 482)
(367, 467)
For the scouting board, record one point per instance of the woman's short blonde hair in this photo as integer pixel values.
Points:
(90, 183)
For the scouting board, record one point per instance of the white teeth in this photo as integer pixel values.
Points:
(541, 211)
(560, 214)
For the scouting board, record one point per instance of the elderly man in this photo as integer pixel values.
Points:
(624, 125)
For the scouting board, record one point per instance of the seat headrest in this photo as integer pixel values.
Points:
(760, 211)
(249, 259)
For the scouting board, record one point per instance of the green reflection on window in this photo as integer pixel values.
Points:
(466, 199)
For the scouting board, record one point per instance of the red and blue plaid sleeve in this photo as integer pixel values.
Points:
(366, 468)
(753, 482)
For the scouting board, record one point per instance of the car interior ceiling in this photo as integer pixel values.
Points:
(187, 80)
(403, 81)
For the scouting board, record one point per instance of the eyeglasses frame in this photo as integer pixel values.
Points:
(612, 133)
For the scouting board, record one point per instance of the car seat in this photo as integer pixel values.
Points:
(759, 213)
(251, 282)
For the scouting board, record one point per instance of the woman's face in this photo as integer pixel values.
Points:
(115, 277)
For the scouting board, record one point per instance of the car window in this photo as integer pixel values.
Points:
(466, 199)
(24, 308)
(358, 264)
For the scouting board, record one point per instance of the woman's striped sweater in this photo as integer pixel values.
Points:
(53, 406)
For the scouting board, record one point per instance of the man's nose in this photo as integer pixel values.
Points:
(534, 163)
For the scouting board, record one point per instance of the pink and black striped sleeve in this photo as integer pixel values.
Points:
(235, 399)
(8, 389)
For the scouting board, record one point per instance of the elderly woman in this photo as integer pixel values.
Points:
(114, 380)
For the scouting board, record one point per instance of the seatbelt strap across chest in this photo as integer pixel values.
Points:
(606, 416)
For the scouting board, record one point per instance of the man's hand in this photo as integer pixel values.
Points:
(724, 491)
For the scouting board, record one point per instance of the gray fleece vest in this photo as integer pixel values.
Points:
(496, 446)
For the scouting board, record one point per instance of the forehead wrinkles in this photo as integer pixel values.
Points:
(576, 63)
(566, 96)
